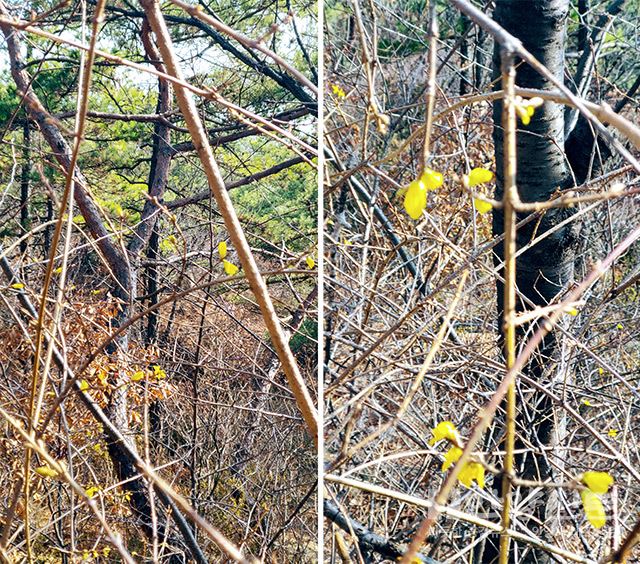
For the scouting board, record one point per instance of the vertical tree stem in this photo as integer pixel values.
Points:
(510, 201)
(430, 96)
(34, 407)
(24, 181)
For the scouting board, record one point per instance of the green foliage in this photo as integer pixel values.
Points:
(283, 207)
(8, 97)
(306, 338)
(56, 83)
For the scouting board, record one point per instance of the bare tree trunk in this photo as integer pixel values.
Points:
(465, 72)
(161, 153)
(47, 231)
(152, 287)
(544, 270)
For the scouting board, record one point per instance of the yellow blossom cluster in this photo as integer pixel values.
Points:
(230, 269)
(415, 198)
(472, 470)
(597, 484)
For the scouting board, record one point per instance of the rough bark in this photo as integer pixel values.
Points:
(585, 151)
(465, 72)
(152, 287)
(160, 156)
(544, 270)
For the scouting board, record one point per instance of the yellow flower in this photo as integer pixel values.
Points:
(310, 262)
(479, 176)
(339, 92)
(415, 200)
(431, 179)
(229, 267)
(593, 508)
(613, 433)
(572, 311)
(451, 457)
(92, 491)
(169, 244)
(481, 205)
(84, 385)
(470, 472)
(526, 108)
(222, 250)
(137, 376)
(102, 376)
(586, 402)
(618, 326)
(158, 372)
(17, 286)
(46, 471)
(445, 430)
(382, 122)
(597, 482)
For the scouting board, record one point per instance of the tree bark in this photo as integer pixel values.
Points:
(161, 153)
(544, 270)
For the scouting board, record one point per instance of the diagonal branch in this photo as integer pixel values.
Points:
(196, 12)
(281, 78)
(584, 70)
(206, 194)
(367, 539)
(189, 111)
(62, 153)
(286, 116)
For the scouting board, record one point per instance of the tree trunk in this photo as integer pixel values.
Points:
(465, 72)
(161, 153)
(151, 335)
(544, 270)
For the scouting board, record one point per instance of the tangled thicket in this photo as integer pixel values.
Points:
(391, 283)
(152, 327)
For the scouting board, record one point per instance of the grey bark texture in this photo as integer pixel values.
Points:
(543, 271)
